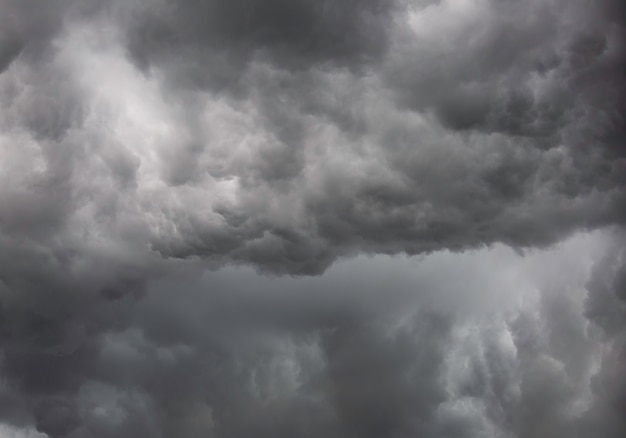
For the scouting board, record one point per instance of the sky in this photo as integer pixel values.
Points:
(305, 218)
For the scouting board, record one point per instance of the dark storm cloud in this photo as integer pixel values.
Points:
(340, 166)
(147, 139)
(292, 33)
(356, 170)
(606, 308)
(388, 352)
(515, 67)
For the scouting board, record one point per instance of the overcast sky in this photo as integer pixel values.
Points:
(312, 218)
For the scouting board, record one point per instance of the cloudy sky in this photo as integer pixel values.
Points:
(312, 218)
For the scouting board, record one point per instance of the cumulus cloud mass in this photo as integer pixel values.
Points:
(312, 218)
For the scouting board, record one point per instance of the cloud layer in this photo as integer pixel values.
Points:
(485, 343)
(142, 141)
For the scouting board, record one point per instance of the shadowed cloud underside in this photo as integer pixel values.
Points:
(147, 141)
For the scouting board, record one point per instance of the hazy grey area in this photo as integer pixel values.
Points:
(299, 218)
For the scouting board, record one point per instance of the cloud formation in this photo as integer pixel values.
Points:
(485, 343)
(448, 135)
(145, 140)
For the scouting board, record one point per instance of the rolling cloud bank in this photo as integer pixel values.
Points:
(305, 218)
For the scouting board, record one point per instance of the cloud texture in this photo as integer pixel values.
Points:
(142, 142)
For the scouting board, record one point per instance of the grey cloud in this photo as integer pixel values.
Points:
(526, 69)
(191, 37)
(308, 166)
(143, 140)
(606, 308)
(378, 347)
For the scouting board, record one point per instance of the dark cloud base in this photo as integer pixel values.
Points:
(144, 142)
(453, 345)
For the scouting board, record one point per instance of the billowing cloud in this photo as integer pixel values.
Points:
(142, 141)
(485, 343)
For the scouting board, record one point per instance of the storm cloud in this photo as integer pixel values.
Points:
(173, 172)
